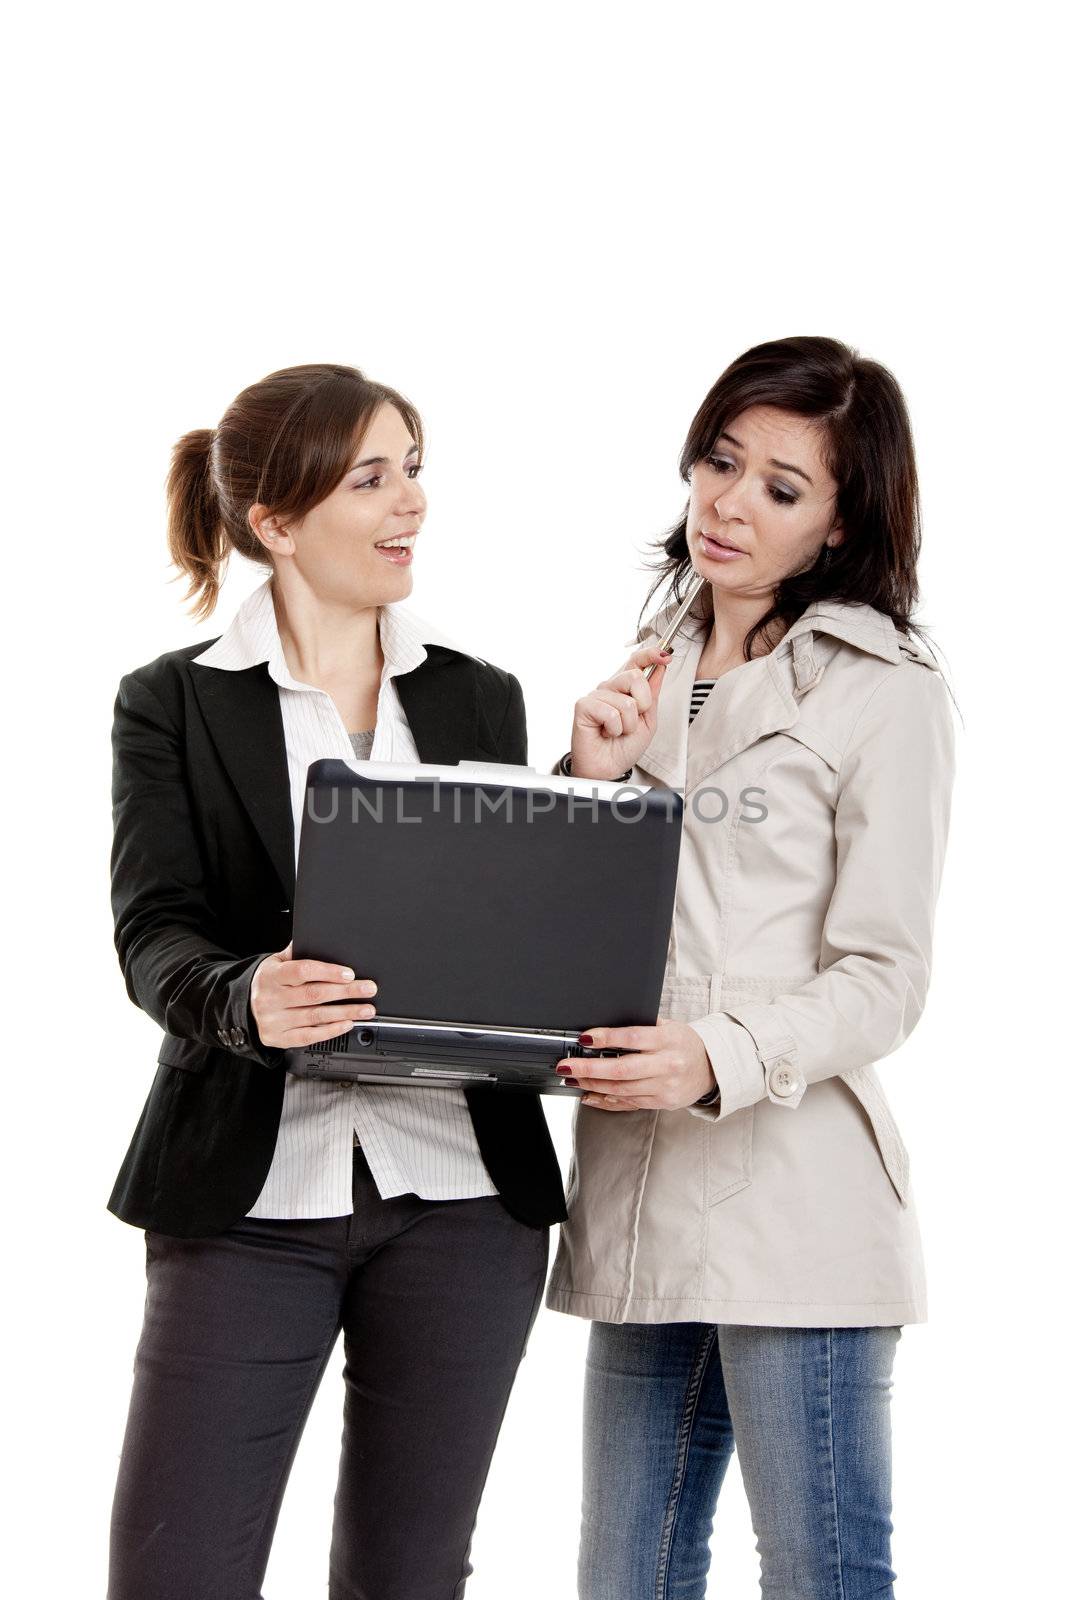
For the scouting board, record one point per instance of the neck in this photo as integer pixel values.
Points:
(324, 640)
(735, 616)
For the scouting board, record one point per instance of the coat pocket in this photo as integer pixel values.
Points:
(187, 1054)
(727, 1155)
(869, 1092)
(725, 1146)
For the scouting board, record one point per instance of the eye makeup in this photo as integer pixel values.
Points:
(781, 494)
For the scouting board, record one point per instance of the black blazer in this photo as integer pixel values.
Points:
(202, 880)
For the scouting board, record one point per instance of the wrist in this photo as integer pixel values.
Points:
(565, 767)
(710, 1097)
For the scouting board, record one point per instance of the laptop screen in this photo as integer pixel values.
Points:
(530, 902)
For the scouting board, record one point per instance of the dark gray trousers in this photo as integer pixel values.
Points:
(436, 1300)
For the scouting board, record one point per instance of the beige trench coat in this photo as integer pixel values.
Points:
(800, 952)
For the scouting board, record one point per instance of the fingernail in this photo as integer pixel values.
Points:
(347, 974)
(668, 652)
(563, 1069)
(585, 1038)
(572, 1083)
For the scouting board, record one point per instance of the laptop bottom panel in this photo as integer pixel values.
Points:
(425, 1076)
(423, 1054)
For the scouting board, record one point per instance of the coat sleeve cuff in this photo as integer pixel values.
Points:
(751, 1061)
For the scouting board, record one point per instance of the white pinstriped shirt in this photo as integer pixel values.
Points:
(417, 1141)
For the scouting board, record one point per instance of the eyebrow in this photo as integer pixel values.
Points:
(380, 461)
(782, 465)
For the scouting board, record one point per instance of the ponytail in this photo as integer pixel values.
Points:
(196, 536)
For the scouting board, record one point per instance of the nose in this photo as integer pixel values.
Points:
(410, 499)
(730, 505)
(726, 498)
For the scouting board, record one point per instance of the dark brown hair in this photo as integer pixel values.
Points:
(286, 443)
(868, 451)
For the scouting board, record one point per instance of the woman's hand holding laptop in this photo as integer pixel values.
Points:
(294, 1003)
(669, 1071)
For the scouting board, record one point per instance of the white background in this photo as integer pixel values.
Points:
(552, 227)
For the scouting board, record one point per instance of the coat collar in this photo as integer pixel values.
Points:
(436, 685)
(857, 624)
(761, 697)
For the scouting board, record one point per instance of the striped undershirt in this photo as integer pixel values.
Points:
(701, 689)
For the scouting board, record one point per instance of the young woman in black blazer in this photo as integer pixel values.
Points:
(312, 473)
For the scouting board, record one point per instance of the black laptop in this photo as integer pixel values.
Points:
(499, 911)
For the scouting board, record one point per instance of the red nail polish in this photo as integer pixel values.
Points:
(585, 1038)
(562, 1070)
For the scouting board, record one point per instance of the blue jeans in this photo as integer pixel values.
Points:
(809, 1410)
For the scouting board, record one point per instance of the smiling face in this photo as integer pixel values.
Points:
(762, 505)
(357, 546)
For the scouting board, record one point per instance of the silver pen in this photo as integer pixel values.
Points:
(677, 620)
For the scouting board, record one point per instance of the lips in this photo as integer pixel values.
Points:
(400, 554)
(724, 544)
(718, 551)
(410, 536)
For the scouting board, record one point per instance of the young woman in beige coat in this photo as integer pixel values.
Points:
(741, 1225)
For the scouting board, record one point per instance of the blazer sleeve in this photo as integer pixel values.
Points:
(166, 932)
(891, 830)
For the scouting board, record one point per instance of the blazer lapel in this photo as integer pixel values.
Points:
(244, 718)
(440, 702)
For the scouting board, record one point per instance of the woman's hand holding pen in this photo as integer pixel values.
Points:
(613, 726)
(291, 1000)
(670, 1070)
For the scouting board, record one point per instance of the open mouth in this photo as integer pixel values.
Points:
(400, 551)
(718, 551)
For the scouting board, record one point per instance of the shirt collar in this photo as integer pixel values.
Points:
(253, 637)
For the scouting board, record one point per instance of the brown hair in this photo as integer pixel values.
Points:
(868, 450)
(286, 443)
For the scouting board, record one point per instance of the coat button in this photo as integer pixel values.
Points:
(238, 1038)
(783, 1081)
(222, 1035)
